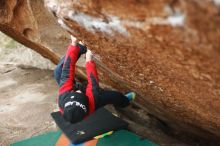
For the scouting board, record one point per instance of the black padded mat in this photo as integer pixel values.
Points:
(101, 121)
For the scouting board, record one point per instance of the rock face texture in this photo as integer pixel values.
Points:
(32, 25)
(166, 51)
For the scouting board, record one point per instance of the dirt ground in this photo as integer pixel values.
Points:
(27, 98)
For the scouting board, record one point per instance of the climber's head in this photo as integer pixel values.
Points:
(75, 107)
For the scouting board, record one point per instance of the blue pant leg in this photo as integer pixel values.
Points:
(112, 97)
(58, 70)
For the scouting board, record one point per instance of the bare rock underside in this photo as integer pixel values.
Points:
(166, 51)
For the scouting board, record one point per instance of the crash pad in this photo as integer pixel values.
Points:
(63, 141)
(92, 142)
(48, 139)
(101, 121)
(118, 138)
(124, 138)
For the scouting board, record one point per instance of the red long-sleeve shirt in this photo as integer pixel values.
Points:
(68, 73)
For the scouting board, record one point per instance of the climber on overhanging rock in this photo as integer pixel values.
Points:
(75, 101)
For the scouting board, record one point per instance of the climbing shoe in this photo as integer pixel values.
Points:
(130, 96)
